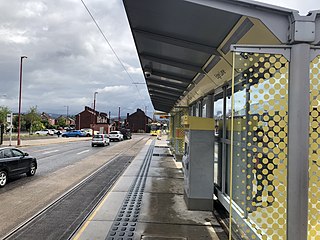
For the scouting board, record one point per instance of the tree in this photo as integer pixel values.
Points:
(3, 114)
(33, 120)
(61, 121)
(15, 123)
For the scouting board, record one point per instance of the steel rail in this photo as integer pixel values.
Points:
(71, 191)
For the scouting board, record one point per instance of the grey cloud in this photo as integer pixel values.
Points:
(67, 57)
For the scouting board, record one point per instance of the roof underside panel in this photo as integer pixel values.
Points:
(174, 39)
(180, 19)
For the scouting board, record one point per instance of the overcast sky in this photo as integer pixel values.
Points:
(68, 59)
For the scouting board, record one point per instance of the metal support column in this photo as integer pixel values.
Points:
(298, 143)
(209, 106)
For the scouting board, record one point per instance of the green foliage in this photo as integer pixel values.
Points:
(15, 123)
(3, 114)
(45, 123)
(33, 120)
(61, 122)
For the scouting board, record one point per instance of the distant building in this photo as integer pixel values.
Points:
(68, 121)
(89, 118)
(46, 117)
(138, 121)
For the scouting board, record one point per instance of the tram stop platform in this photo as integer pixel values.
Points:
(147, 203)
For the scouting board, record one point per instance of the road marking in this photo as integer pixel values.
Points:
(83, 152)
(41, 150)
(47, 152)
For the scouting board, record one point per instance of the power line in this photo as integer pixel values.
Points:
(106, 39)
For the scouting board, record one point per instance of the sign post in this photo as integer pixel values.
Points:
(9, 120)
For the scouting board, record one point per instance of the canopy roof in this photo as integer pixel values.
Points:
(184, 45)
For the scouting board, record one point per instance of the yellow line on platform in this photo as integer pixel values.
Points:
(93, 214)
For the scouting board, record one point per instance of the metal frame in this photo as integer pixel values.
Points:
(298, 133)
(298, 143)
(225, 201)
(285, 50)
(314, 52)
(275, 18)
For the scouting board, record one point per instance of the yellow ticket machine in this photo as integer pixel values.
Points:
(198, 162)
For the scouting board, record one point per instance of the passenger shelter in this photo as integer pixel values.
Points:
(251, 72)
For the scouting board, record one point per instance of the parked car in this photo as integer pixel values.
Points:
(126, 133)
(55, 131)
(100, 140)
(45, 132)
(115, 136)
(13, 162)
(88, 131)
(74, 133)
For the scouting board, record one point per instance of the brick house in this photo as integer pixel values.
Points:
(46, 117)
(138, 121)
(68, 121)
(89, 118)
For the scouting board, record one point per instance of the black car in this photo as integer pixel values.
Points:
(126, 133)
(15, 162)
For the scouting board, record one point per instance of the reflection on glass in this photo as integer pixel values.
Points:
(259, 167)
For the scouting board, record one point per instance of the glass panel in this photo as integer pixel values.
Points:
(314, 151)
(218, 117)
(178, 136)
(217, 163)
(259, 171)
(204, 110)
(228, 116)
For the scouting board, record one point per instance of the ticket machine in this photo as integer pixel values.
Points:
(198, 162)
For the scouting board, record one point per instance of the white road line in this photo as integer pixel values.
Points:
(83, 152)
(47, 152)
(42, 150)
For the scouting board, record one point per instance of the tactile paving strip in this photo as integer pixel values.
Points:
(125, 223)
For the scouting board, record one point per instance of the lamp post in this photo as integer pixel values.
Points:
(67, 115)
(20, 96)
(94, 111)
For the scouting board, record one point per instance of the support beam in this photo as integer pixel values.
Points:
(167, 83)
(162, 100)
(274, 17)
(177, 79)
(177, 42)
(166, 87)
(160, 96)
(172, 62)
(298, 143)
(209, 106)
(156, 91)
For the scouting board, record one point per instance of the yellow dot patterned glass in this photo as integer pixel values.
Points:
(261, 127)
(314, 156)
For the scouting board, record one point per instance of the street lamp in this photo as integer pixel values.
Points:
(94, 100)
(20, 96)
(67, 114)
(94, 111)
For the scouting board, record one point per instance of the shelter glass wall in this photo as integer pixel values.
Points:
(218, 116)
(314, 152)
(258, 140)
(177, 132)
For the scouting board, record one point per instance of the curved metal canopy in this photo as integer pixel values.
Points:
(183, 42)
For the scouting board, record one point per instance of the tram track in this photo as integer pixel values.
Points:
(62, 217)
